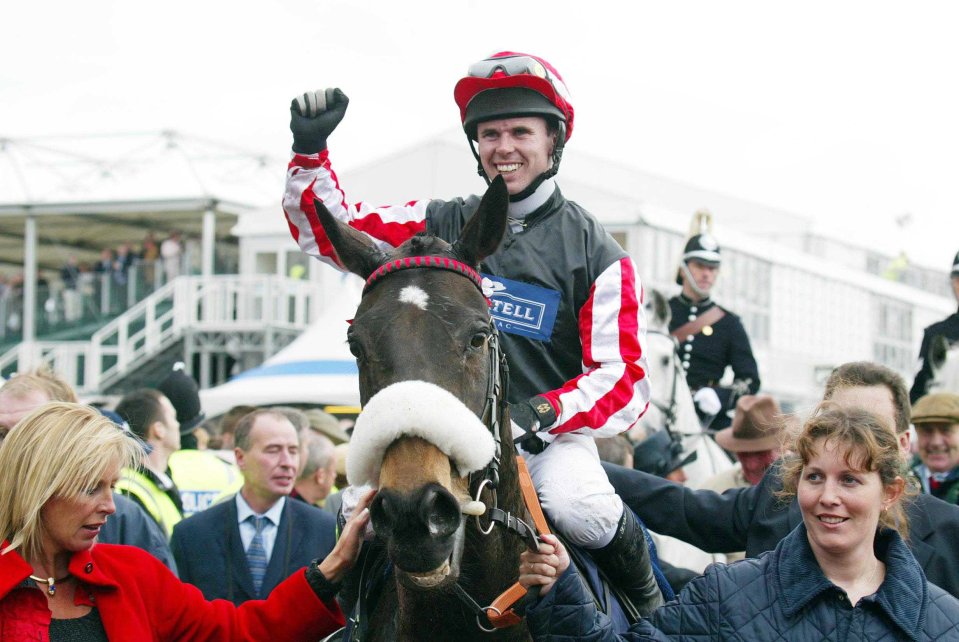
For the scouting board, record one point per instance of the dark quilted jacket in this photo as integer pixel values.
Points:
(782, 595)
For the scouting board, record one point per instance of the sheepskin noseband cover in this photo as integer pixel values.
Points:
(416, 409)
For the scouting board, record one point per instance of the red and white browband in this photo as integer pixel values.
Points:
(435, 262)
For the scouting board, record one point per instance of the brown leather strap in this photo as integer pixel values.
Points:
(694, 327)
(531, 498)
(500, 612)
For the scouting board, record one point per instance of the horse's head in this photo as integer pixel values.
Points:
(421, 338)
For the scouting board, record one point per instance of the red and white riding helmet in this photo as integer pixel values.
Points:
(512, 84)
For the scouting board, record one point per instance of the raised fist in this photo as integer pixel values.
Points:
(313, 117)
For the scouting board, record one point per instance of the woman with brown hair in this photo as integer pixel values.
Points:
(844, 574)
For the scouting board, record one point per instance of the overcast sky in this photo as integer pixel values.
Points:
(847, 112)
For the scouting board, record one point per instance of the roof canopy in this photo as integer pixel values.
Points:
(94, 192)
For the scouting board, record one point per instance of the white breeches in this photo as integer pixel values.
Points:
(574, 490)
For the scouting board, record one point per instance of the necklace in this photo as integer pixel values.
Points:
(50, 582)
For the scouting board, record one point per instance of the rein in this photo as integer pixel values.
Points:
(507, 609)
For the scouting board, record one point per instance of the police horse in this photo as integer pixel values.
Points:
(671, 407)
(434, 437)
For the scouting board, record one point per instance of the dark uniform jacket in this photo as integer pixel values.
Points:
(948, 328)
(783, 595)
(754, 519)
(705, 355)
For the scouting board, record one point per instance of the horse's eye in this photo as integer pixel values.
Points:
(479, 340)
(355, 348)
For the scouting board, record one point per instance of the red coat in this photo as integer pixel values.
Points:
(141, 600)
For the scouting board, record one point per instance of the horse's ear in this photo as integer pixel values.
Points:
(484, 231)
(355, 251)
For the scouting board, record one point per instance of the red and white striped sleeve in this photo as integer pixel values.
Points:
(310, 177)
(613, 392)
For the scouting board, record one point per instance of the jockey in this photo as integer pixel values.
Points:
(564, 294)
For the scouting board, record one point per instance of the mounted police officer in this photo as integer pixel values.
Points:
(935, 338)
(710, 337)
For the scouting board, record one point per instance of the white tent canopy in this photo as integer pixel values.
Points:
(317, 368)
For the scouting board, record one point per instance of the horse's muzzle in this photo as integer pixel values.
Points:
(423, 532)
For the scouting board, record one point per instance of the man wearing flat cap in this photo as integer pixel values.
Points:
(945, 331)
(936, 419)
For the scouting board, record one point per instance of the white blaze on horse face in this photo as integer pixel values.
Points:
(414, 296)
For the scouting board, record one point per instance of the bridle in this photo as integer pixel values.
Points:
(494, 408)
(669, 409)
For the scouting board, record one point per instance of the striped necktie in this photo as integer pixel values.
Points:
(256, 554)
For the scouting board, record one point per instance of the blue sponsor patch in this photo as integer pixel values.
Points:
(521, 308)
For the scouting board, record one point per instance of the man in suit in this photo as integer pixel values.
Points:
(755, 519)
(241, 548)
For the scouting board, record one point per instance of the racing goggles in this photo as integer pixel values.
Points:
(510, 66)
(518, 66)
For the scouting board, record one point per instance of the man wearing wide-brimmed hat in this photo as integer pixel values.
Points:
(754, 438)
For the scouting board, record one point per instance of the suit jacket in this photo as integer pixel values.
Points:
(209, 553)
(754, 519)
(130, 525)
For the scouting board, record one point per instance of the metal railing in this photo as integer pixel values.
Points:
(220, 303)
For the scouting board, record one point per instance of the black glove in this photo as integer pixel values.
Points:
(531, 415)
(314, 116)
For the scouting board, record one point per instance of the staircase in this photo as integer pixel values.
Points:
(135, 348)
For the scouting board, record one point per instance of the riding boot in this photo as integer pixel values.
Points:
(626, 562)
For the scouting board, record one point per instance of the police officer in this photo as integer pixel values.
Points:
(200, 475)
(947, 329)
(710, 337)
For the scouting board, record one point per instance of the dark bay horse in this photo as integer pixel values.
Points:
(422, 337)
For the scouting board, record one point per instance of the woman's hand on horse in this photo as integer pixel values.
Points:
(545, 566)
(343, 556)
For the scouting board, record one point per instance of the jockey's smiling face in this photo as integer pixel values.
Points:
(518, 149)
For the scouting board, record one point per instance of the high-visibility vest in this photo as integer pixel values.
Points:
(156, 502)
(201, 477)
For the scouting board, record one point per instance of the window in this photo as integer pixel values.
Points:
(892, 327)
(265, 262)
(297, 265)
(744, 285)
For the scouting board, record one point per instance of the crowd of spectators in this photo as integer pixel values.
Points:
(84, 290)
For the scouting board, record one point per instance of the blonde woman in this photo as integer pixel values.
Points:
(57, 471)
(844, 574)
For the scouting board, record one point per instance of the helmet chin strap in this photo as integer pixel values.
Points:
(557, 156)
(690, 281)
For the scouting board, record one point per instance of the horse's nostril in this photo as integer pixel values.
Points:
(380, 514)
(439, 511)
